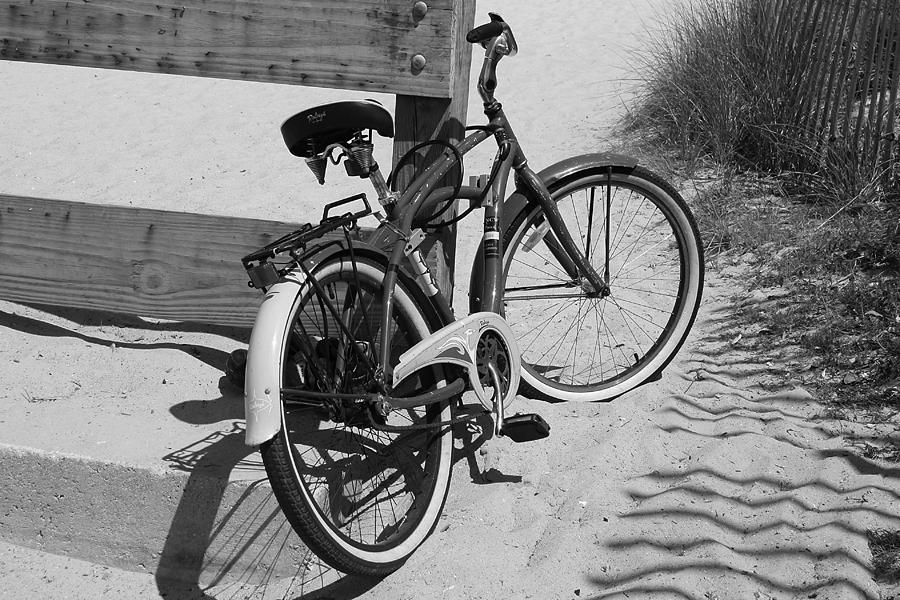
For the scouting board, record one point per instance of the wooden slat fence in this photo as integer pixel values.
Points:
(183, 266)
(844, 74)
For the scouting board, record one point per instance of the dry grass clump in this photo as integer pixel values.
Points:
(711, 88)
(885, 547)
(728, 80)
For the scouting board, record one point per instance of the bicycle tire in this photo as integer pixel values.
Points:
(655, 278)
(362, 499)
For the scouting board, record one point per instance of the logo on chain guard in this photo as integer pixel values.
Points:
(457, 344)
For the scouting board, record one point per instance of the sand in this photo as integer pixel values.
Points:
(722, 481)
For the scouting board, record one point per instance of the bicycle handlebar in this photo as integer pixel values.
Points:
(496, 36)
(498, 41)
(485, 32)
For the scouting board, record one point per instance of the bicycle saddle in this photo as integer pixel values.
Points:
(310, 132)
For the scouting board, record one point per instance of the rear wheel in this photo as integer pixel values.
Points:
(639, 235)
(362, 496)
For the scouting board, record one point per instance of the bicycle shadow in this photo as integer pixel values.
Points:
(228, 537)
(473, 439)
(227, 540)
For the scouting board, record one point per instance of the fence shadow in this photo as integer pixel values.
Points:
(35, 326)
(705, 524)
(766, 497)
(95, 318)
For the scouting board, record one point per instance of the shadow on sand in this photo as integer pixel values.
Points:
(229, 539)
(708, 519)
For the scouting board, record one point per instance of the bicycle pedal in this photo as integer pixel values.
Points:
(525, 428)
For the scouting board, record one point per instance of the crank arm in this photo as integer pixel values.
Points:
(497, 400)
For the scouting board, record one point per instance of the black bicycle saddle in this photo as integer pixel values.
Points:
(310, 132)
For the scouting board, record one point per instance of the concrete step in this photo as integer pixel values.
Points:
(26, 574)
(195, 526)
(121, 444)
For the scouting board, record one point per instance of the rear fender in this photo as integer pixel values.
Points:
(552, 176)
(262, 379)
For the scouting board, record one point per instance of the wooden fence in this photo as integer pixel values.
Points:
(843, 73)
(154, 263)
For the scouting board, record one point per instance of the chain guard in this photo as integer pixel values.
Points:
(471, 343)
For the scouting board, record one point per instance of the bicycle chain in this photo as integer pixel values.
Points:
(423, 426)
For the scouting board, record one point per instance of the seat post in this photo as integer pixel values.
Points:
(386, 197)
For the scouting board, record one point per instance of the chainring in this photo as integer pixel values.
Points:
(492, 350)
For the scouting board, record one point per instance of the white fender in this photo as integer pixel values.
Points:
(457, 344)
(262, 379)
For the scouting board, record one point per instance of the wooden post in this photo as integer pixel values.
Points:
(418, 119)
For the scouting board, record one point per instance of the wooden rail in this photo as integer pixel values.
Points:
(348, 44)
(152, 263)
(184, 266)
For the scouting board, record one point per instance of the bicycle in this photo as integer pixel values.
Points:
(356, 364)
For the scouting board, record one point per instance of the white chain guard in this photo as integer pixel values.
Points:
(457, 344)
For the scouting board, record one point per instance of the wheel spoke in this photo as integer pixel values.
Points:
(371, 486)
(632, 232)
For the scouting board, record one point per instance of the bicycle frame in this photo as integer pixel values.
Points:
(396, 235)
(423, 194)
(357, 367)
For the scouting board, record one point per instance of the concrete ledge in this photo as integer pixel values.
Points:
(186, 527)
(122, 444)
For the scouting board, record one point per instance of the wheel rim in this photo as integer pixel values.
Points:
(574, 342)
(369, 489)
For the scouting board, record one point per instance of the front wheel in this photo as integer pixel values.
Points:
(639, 235)
(362, 490)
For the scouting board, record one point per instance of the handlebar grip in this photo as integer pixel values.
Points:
(485, 32)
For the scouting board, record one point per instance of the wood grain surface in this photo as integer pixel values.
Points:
(349, 44)
(150, 263)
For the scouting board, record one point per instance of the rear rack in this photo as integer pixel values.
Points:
(264, 273)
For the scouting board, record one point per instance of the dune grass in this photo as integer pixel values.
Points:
(809, 214)
(720, 95)
(742, 82)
